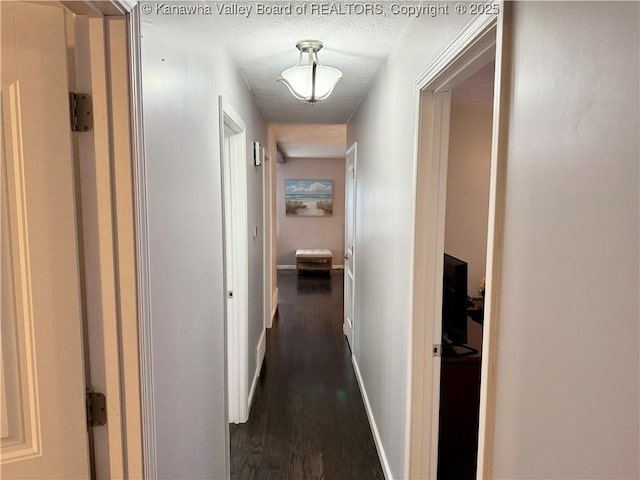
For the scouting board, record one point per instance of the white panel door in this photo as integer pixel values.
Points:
(349, 245)
(232, 325)
(44, 432)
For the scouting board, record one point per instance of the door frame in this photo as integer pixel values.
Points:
(267, 215)
(106, 57)
(142, 247)
(479, 41)
(234, 173)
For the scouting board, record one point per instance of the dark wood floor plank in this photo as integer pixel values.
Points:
(307, 420)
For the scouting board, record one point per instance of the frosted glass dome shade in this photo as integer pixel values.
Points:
(309, 81)
(300, 81)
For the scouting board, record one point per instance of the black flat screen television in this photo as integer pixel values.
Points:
(454, 301)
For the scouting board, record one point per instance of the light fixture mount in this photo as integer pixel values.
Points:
(306, 46)
(308, 80)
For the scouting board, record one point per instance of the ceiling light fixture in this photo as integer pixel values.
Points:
(308, 80)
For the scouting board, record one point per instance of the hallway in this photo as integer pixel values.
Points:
(308, 419)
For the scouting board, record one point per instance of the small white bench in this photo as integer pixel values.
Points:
(314, 259)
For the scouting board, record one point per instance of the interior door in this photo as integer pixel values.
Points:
(232, 374)
(349, 245)
(44, 431)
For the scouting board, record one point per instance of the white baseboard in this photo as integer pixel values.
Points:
(260, 351)
(372, 422)
(274, 307)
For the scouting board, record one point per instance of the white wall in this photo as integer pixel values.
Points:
(468, 172)
(184, 70)
(567, 372)
(383, 126)
(311, 232)
(568, 351)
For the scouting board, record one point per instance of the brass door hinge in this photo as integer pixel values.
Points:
(96, 408)
(81, 110)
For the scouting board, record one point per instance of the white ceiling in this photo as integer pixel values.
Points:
(329, 140)
(311, 141)
(264, 45)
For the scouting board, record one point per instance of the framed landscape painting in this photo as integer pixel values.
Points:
(308, 198)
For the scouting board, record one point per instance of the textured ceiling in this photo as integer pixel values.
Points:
(478, 88)
(264, 45)
(311, 141)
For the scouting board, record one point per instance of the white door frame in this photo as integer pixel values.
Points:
(234, 172)
(142, 250)
(111, 47)
(266, 222)
(472, 48)
(102, 47)
(107, 245)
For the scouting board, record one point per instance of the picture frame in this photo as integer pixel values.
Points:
(308, 197)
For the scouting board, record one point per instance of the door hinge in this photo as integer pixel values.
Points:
(81, 109)
(437, 350)
(96, 408)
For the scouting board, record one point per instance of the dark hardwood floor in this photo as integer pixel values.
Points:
(307, 420)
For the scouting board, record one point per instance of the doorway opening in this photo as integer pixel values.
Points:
(464, 269)
(443, 283)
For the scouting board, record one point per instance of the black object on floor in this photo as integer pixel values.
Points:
(308, 419)
(459, 414)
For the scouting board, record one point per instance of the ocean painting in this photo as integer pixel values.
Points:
(308, 198)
